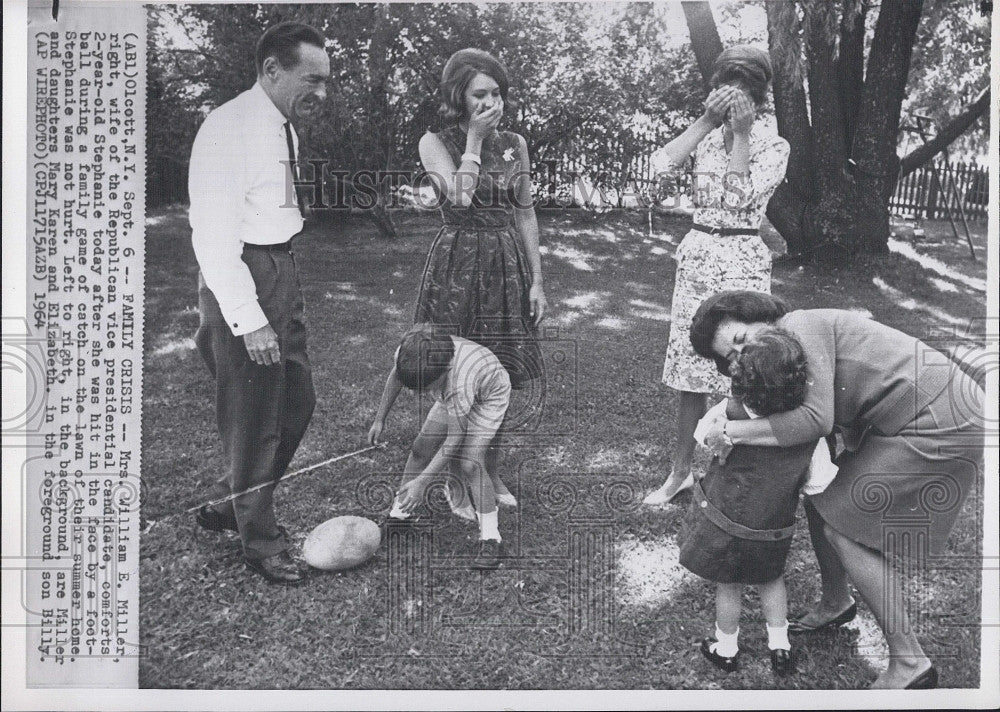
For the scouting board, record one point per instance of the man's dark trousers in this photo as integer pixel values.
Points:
(262, 411)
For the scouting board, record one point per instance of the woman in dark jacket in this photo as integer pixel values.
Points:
(913, 429)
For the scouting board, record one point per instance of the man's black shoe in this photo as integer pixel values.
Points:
(214, 521)
(280, 569)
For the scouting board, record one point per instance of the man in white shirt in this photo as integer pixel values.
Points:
(244, 213)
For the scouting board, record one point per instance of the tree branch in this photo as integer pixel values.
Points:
(958, 125)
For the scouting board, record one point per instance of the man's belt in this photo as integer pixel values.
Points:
(730, 527)
(725, 231)
(276, 247)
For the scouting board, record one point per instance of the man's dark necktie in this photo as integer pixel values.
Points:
(295, 170)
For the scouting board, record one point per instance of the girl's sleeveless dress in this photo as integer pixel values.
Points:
(476, 278)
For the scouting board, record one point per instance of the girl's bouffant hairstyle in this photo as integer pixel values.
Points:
(424, 354)
(769, 376)
(742, 305)
(459, 70)
(747, 65)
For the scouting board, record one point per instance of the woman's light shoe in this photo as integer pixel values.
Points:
(662, 495)
(506, 500)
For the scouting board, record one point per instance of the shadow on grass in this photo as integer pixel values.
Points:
(606, 432)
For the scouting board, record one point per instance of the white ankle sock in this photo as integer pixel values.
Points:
(727, 646)
(488, 528)
(777, 637)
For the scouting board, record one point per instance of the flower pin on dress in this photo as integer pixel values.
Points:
(507, 156)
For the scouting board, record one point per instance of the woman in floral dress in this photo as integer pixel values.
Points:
(738, 163)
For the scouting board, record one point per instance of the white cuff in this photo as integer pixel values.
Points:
(701, 430)
(821, 470)
(245, 318)
(474, 158)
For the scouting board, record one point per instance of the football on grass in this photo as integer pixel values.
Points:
(341, 543)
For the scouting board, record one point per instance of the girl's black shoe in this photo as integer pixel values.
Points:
(782, 662)
(721, 662)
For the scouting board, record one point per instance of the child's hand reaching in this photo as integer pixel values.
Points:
(714, 413)
(410, 494)
(716, 440)
(375, 432)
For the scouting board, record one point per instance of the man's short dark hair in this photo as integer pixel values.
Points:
(282, 42)
(425, 352)
(745, 306)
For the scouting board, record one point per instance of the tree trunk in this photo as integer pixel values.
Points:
(704, 36)
(878, 122)
(382, 219)
(790, 201)
(850, 68)
(832, 216)
(948, 133)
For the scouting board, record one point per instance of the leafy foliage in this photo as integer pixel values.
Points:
(950, 66)
(588, 79)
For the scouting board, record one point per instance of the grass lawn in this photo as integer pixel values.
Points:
(596, 598)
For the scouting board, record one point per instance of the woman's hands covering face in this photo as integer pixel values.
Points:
(741, 114)
(485, 119)
(718, 102)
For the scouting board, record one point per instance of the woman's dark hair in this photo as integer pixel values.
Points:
(424, 354)
(459, 70)
(744, 306)
(769, 376)
(747, 65)
(282, 41)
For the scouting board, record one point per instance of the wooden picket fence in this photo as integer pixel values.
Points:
(929, 193)
(921, 194)
(623, 173)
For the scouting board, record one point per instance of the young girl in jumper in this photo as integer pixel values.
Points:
(739, 528)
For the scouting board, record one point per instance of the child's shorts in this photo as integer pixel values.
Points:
(484, 416)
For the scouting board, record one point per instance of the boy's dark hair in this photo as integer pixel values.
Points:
(769, 376)
(282, 41)
(424, 354)
(743, 305)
